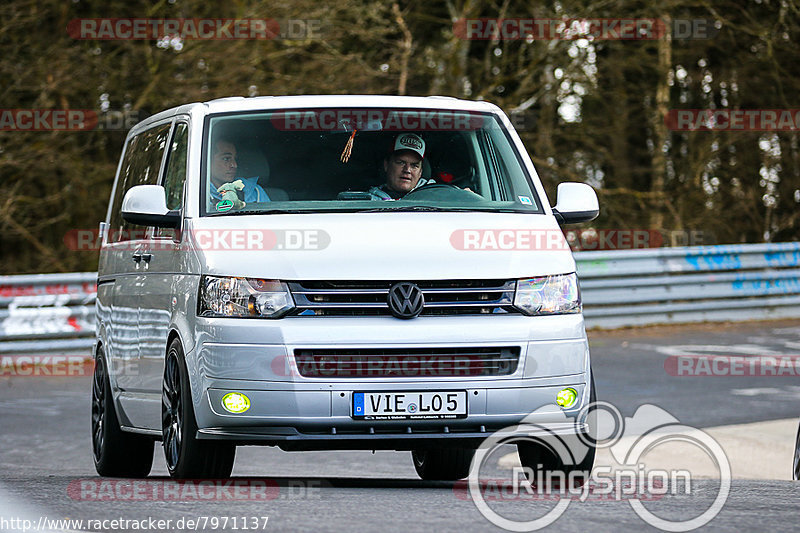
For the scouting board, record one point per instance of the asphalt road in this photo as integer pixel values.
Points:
(629, 368)
(46, 464)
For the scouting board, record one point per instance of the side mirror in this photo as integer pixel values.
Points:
(146, 205)
(575, 202)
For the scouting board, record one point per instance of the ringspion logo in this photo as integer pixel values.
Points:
(563, 480)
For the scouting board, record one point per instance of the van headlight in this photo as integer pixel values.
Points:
(244, 297)
(548, 295)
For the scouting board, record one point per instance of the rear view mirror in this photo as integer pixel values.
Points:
(146, 205)
(575, 202)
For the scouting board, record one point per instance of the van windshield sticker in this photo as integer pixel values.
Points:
(224, 205)
(525, 200)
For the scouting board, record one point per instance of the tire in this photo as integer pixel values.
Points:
(443, 464)
(116, 453)
(796, 463)
(187, 456)
(531, 455)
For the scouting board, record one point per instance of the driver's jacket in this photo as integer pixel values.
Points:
(380, 193)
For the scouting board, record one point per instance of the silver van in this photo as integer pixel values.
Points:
(333, 273)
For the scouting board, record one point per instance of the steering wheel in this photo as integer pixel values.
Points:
(442, 191)
(436, 184)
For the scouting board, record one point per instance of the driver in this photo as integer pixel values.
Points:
(226, 184)
(403, 168)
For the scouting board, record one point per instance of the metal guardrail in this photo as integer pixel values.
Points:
(44, 313)
(694, 284)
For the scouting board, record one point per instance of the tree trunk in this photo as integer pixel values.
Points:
(660, 133)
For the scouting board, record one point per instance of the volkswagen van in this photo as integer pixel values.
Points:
(332, 273)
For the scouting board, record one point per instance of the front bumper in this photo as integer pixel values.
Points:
(291, 439)
(321, 419)
(297, 412)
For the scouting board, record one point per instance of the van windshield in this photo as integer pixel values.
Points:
(361, 160)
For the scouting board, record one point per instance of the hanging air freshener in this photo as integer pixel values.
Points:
(348, 148)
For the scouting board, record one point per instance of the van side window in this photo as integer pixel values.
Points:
(176, 166)
(140, 166)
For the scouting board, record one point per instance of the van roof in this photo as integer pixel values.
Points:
(267, 103)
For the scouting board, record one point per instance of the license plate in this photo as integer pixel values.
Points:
(409, 405)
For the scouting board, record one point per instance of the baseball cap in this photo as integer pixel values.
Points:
(409, 141)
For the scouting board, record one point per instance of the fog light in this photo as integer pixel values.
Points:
(235, 402)
(566, 398)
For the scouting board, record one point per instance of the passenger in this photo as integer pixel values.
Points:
(403, 168)
(225, 185)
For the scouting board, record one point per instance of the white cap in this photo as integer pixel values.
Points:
(409, 141)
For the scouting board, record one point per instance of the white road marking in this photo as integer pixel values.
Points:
(694, 349)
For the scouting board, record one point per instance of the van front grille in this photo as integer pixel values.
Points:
(442, 297)
(406, 362)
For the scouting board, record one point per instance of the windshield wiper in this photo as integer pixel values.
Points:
(407, 208)
(414, 208)
(258, 212)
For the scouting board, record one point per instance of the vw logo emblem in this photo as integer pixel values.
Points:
(405, 300)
